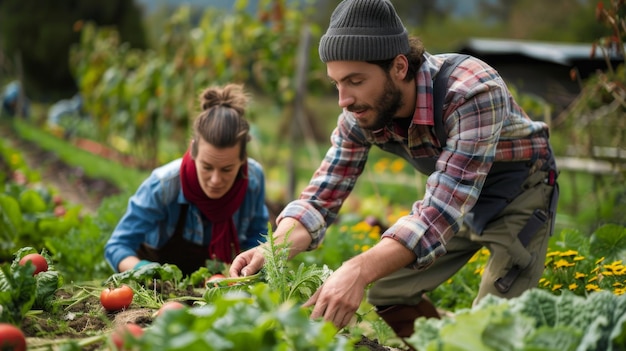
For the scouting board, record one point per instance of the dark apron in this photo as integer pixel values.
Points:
(184, 254)
(502, 185)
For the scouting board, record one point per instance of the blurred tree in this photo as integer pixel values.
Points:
(560, 20)
(40, 34)
(498, 11)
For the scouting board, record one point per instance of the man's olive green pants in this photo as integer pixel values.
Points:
(500, 237)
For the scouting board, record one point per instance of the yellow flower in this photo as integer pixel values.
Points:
(361, 227)
(599, 260)
(557, 287)
(579, 275)
(365, 248)
(573, 286)
(614, 267)
(593, 279)
(569, 253)
(592, 287)
(546, 283)
(15, 159)
(553, 253)
(579, 258)
(397, 166)
(619, 291)
(380, 166)
(562, 263)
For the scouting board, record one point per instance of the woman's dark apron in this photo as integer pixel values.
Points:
(183, 253)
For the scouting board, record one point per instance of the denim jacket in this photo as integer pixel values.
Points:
(153, 212)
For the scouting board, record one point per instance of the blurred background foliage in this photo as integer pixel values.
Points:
(41, 33)
(139, 66)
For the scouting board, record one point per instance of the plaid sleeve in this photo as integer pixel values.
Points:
(320, 202)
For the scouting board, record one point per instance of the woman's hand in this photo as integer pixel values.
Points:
(251, 261)
(247, 263)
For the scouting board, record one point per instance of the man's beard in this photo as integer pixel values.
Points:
(386, 107)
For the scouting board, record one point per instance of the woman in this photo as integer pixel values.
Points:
(208, 205)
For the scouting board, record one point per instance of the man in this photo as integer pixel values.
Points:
(492, 179)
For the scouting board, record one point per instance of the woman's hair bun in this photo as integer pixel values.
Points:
(231, 95)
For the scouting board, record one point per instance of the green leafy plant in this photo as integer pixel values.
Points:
(21, 290)
(582, 264)
(537, 320)
(298, 284)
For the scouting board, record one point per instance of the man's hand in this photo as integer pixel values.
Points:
(342, 293)
(339, 297)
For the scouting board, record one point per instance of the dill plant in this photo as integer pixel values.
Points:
(297, 283)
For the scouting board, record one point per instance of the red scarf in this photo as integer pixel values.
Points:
(224, 241)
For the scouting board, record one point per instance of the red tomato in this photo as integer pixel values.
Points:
(122, 332)
(40, 263)
(169, 305)
(11, 338)
(216, 276)
(114, 299)
(59, 211)
(57, 199)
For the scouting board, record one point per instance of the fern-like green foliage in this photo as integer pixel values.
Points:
(293, 284)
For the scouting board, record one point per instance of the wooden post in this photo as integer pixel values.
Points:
(299, 123)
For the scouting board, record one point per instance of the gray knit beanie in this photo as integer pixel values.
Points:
(364, 30)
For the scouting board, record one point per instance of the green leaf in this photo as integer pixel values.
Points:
(570, 239)
(17, 292)
(32, 202)
(562, 338)
(47, 284)
(477, 331)
(10, 220)
(610, 240)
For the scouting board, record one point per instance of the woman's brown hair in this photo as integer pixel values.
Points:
(221, 122)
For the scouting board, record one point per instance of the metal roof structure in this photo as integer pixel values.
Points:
(553, 71)
(567, 54)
